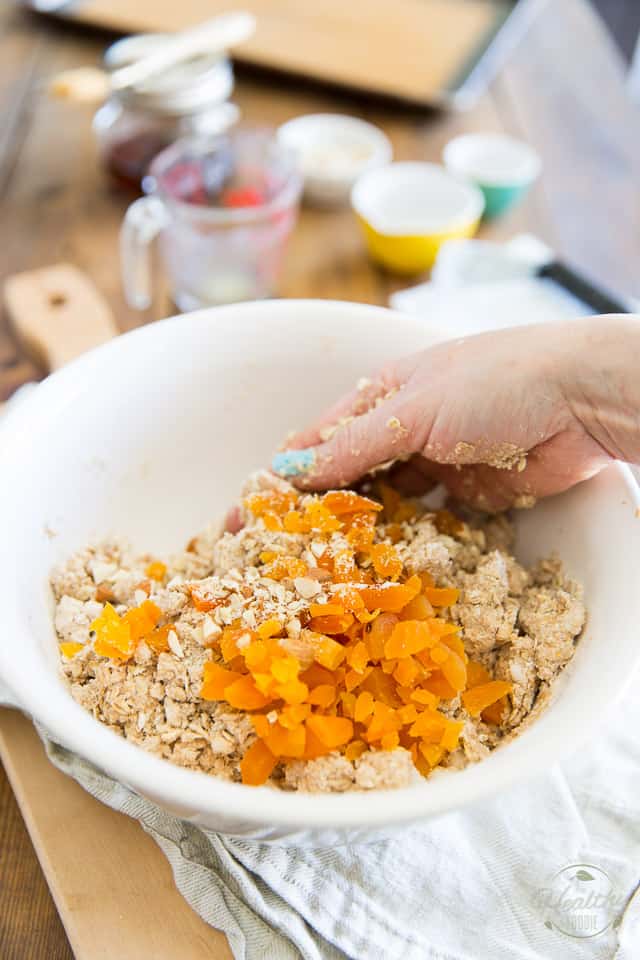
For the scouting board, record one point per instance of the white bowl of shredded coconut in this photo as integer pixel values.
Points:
(333, 150)
(201, 403)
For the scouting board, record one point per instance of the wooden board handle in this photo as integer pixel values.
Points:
(57, 314)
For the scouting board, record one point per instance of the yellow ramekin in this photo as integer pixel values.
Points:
(408, 210)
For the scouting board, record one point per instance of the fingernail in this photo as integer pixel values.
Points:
(291, 463)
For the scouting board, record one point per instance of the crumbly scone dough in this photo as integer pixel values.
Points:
(521, 624)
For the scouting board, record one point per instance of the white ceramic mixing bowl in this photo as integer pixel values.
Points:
(151, 436)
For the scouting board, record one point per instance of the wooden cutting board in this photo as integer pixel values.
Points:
(411, 49)
(111, 883)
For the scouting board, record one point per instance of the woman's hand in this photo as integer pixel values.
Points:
(501, 418)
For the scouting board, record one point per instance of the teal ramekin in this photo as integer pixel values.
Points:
(502, 167)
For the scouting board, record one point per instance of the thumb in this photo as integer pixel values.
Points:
(387, 432)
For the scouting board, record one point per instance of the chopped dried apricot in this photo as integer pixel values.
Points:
(348, 701)
(357, 657)
(156, 570)
(269, 628)
(429, 726)
(345, 501)
(285, 669)
(451, 734)
(355, 749)
(331, 624)
(142, 619)
(407, 714)
(389, 741)
(454, 642)
(216, 679)
(204, 601)
(396, 508)
(426, 579)
(327, 652)
(439, 655)
(394, 532)
(476, 674)
(378, 634)
(391, 597)
(417, 609)
(386, 561)
(314, 747)
(293, 691)
(272, 521)
(364, 706)
(257, 656)
(323, 695)
(355, 678)
(230, 639)
(425, 697)
(285, 567)
(408, 637)
(244, 695)
(283, 742)
(294, 714)
(407, 671)
(360, 530)
(321, 519)
(479, 698)
(438, 684)
(257, 764)
(261, 724)
(454, 670)
(315, 675)
(383, 720)
(344, 567)
(496, 711)
(383, 687)
(274, 501)
(158, 639)
(326, 609)
(294, 522)
(432, 753)
(447, 523)
(69, 649)
(442, 596)
(112, 635)
(332, 731)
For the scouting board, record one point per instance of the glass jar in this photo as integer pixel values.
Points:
(135, 124)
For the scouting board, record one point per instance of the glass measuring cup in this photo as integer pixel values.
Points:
(222, 210)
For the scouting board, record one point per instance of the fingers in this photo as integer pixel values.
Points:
(365, 395)
(410, 477)
(233, 521)
(396, 428)
(553, 467)
(357, 402)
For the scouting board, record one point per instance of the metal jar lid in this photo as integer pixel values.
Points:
(199, 84)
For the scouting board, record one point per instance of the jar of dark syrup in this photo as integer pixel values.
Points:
(135, 124)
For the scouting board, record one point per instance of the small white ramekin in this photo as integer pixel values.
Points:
(333, 151)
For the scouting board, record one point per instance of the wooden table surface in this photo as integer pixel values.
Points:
(563, 91)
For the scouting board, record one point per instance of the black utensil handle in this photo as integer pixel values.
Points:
(599, 300)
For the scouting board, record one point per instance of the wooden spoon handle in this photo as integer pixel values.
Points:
(57, 314)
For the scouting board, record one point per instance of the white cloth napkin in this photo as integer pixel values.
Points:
(463, 887)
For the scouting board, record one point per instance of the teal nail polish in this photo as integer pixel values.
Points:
(291, 463)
